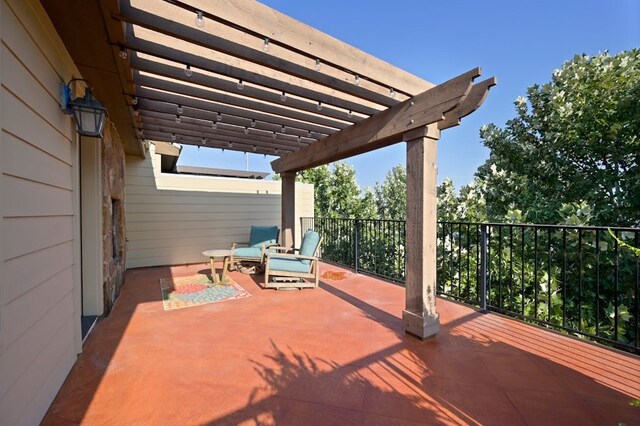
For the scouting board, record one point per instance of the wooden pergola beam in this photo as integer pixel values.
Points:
(472, 102)
(212, 143)
(384, 128)
(223, 98)
(292, 34)
(193, 35)
(223, 134)
(327, 97)
(197, 139)
(214, 108)
(150, 108)
(228, 86)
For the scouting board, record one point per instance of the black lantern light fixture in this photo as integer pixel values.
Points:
(88, 112)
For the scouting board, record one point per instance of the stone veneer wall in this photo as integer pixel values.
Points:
(113, 182)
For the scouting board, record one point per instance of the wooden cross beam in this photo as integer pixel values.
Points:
(155, 95)
(472, 102)
(387, 127)
(167, 26)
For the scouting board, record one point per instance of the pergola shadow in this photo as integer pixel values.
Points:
(479, 369)
(414, 382)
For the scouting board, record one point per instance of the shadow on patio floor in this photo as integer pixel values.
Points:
(333, 355)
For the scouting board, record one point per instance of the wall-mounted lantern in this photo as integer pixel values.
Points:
(88, 112)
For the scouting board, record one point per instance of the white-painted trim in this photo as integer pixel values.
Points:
(77, 264)
(92, 248)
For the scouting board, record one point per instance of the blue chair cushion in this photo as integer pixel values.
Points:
(263, 235)
(247, 252)
(309, 245)
(288, 265)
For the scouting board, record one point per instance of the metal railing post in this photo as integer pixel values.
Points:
(355, 245)
(483, 268)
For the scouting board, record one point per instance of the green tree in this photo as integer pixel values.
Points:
(343, 192)
(368, 205)
(448, 202)
(576, 138)
(336, 192)
(391, 195)
(472, 206)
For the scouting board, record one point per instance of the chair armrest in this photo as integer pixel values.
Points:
(290, 256)
(233, 246)
(278, 248)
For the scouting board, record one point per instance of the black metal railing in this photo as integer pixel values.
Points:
(573, 278)
(374, 247)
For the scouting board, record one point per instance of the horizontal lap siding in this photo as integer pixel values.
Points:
(173, 219)
(37, 326)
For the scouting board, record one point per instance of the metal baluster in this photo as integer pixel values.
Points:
(523, 275)
(580, 280)
(535, 272)
(356, 238)
(549, 274)
(459, 258)
(483, 268)
(637, 290)
(500, 266)
(597, 282)
(451, 268)
(444, 255)
(468, 292)
(478, 268)
(511, 267)
(564, 277)
(489, 274)
(616, 278)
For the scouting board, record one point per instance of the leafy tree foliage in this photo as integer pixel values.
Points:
(391, 195)
(575, 138)
(345, 193)
(447, 201)
(337, 193)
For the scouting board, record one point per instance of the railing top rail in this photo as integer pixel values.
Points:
(354, 219)
(515, 225)
(537, 225)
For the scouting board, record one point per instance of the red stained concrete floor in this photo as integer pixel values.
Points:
(332, 355)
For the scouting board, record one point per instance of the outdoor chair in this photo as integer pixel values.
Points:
(261, 240)
(289, 270)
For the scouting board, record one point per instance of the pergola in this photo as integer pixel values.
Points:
(238, 75)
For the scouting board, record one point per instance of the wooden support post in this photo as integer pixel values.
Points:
(288, 209)
(420, 317)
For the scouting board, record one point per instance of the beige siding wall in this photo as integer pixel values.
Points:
(38, 323)
(171, 219)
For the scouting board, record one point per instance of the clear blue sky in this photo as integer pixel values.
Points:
(519, 42)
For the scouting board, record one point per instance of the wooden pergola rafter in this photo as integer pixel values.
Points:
(248, 78)
(257, 88)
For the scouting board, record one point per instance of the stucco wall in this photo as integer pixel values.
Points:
(39, 325)
(171, 218)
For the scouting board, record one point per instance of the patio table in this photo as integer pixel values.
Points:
(222, 254)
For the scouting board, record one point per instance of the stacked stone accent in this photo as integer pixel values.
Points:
(113, 181)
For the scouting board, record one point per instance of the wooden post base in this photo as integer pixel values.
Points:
(421, 326)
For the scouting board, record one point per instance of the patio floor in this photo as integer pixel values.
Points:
(333, 355)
